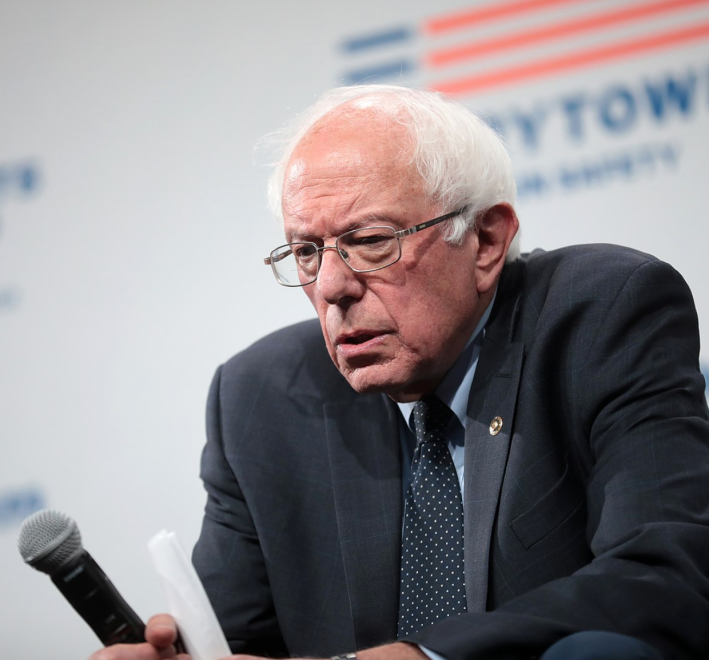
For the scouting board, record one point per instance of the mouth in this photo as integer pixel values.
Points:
(360, 342)
(359, 339)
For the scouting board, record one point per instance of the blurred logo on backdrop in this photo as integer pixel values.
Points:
(9, 297)
(18, 503)
(494, 46)
(18, 181)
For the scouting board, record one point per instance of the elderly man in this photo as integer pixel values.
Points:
(516, 460)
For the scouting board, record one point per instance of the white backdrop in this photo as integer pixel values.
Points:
(133, 219)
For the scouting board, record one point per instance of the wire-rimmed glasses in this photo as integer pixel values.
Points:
(363, 250)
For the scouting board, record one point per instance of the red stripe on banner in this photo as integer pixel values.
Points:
(558, 31)
(542, 68)
(465, 19)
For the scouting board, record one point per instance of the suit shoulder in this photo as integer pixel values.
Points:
(560, 285)
(590, 269)
(613, 257)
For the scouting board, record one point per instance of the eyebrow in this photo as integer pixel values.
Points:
(371, 220)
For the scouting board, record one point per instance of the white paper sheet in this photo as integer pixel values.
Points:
(187, 600)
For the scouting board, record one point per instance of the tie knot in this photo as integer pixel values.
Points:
(431, 417)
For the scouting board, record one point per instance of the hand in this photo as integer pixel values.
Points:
(396, 651)
(160, 635)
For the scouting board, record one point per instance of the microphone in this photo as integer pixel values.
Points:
(50, 542)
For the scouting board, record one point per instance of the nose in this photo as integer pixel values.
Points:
(337, 282)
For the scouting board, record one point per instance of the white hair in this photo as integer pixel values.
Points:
(462, 160)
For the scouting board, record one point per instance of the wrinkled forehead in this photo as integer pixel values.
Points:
(349, 147)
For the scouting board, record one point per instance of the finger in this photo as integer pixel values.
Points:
(161, 631)
(167, 653)
(128, 652)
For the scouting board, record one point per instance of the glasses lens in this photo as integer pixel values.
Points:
(295, 264)
(370, 248)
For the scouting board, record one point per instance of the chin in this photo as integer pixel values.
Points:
(400, 385)
(380, 378)
(375, 378)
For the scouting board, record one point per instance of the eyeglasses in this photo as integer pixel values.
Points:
(363, 250)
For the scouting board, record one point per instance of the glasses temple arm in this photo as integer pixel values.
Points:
(272, 260)
(429, 223)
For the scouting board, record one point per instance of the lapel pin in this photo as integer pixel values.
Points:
(495, 425)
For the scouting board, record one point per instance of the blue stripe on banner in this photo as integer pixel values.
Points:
(379, 39)
(384, 71)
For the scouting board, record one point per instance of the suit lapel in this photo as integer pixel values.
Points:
(486, 451)
(365, 459)
(488, 431)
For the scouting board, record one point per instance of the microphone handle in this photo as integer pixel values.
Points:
(97, 601)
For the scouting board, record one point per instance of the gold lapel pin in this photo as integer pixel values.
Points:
(495, 425)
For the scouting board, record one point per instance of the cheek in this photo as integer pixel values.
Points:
(416, 315)
(438, 309)
(316, 300)
(419, 325)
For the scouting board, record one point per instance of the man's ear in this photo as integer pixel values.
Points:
(495, 231)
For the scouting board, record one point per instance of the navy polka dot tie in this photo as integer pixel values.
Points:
(432, 577)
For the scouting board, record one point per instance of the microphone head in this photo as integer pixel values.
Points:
(47, 539)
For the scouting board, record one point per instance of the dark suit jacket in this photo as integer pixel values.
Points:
(589, 510)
